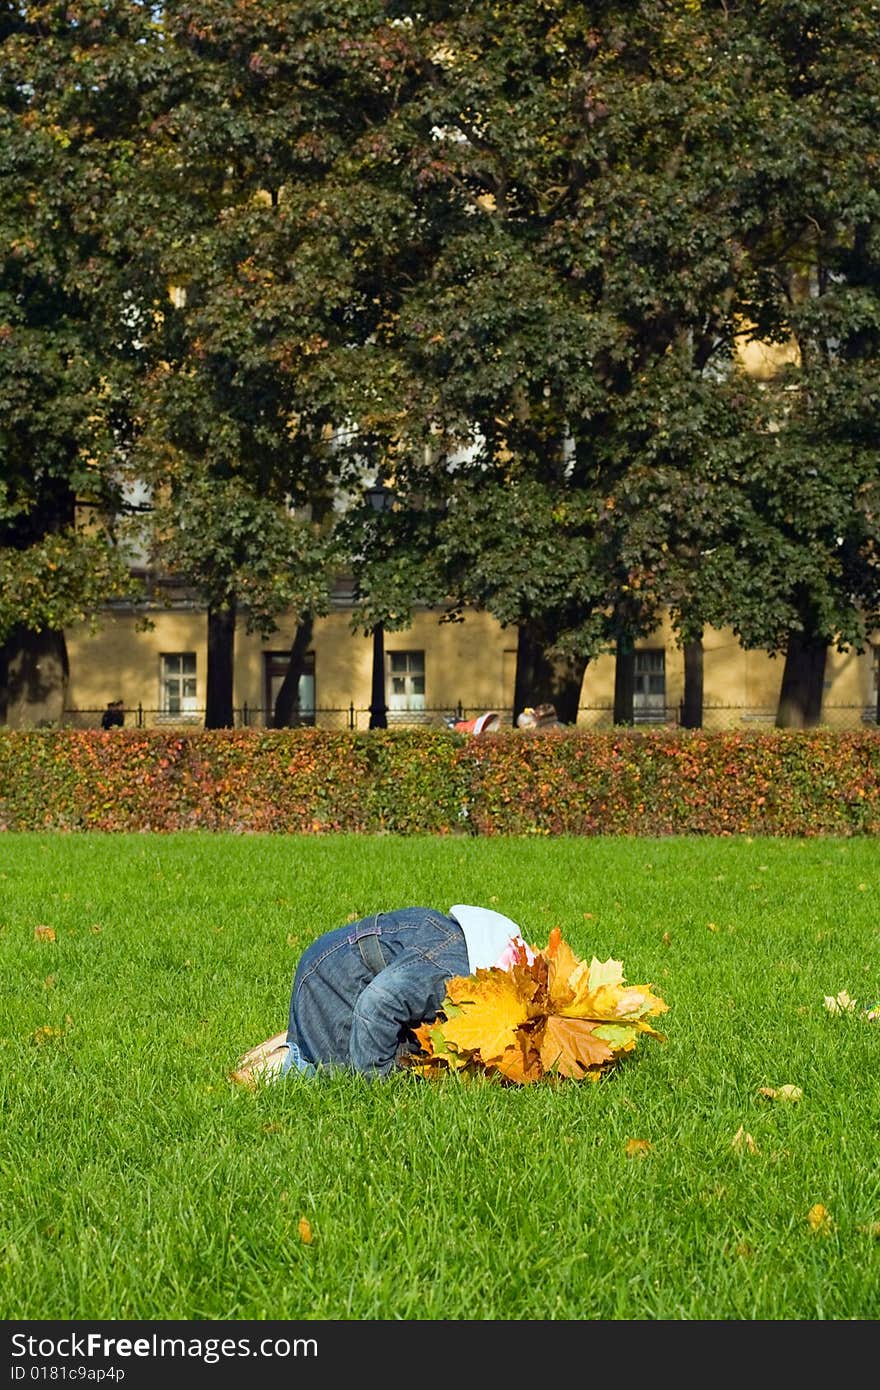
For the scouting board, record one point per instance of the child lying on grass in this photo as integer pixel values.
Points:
(360, 990)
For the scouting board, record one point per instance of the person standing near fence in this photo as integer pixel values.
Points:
(114, 715)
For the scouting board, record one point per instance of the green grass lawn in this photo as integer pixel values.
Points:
(137, 1183)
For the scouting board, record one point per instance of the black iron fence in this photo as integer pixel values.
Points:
(594, 716)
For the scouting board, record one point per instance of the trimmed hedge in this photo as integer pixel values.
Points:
(425, 781)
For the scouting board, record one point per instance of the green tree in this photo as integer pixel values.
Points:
(66, 350)
(625, 194)
(588, 232)
(817, 280)
(269, 340)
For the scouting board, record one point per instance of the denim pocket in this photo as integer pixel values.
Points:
(431, 934)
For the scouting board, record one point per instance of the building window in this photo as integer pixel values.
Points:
(649, 686)
(177, 693)
(406, 680)
(275, 666)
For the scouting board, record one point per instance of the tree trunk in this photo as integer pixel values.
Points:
(803, 679)
(546, 680)
(285, 715)
(219, 712)
(624, 682)
(34, 673)
(692, 705)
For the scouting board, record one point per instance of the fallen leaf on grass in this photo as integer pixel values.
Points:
(784, 1093)
(871, 1229)
(840, 1003)
(637, 1148)
(305, 1231)
(43, 1035)
(44, 933)
(819, 1220)
(743, 1142)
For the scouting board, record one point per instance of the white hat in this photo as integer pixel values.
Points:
(486, 934)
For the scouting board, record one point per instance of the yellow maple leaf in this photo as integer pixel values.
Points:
(783, 1093)
(638, 1148)
(819, 1219)
(492, 1008)
(616, 1001)
(620, 1037)
(841, 1003)
(605, 972)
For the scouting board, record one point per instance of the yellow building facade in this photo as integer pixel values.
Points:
(431, 669)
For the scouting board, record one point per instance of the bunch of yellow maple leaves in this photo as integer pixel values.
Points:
(550, 1016)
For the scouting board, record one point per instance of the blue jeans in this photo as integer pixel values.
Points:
(295, 1061)
(359, 990)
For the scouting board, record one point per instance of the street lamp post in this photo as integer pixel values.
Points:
(380, 499)
(378, 707)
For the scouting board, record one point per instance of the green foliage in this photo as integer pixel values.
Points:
(423, 782)
(229, 541)
(500, 256)
(614, 200)
(69, 304)
(59, 579)
(261, 345)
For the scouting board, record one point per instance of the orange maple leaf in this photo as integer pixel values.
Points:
(569, 1048)
(562, 975)
(422, 1035)
(522, 1062)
